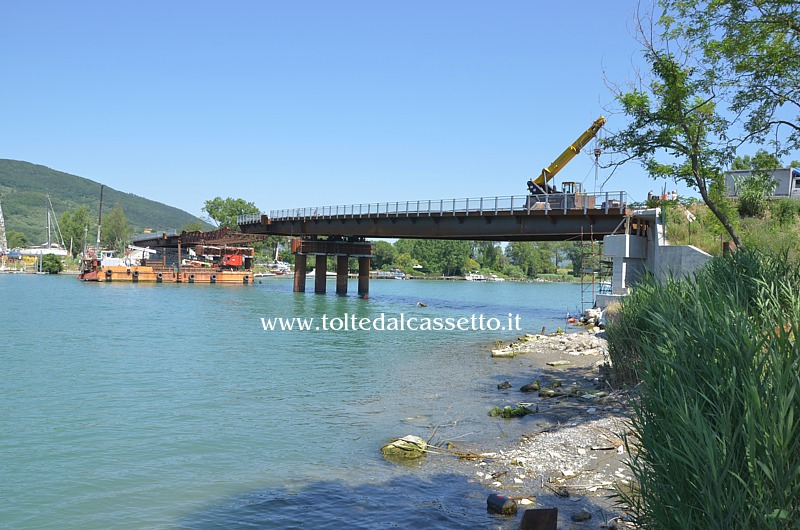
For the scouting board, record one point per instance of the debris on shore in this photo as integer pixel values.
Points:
(590, 342)
(574, 458)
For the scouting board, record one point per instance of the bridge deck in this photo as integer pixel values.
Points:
(544, 218)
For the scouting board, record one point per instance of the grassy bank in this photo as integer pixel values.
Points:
(777, 231)
(716, 428)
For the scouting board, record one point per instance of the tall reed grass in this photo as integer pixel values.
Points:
(715, 431)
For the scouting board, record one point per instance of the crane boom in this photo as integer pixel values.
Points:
(569, 153)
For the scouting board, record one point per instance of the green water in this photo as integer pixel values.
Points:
(169, 406)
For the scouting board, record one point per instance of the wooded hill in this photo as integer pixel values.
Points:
(24, 188)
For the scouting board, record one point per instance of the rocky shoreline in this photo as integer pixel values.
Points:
(575, 458)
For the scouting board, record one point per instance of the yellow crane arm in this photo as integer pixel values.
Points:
(569, 153)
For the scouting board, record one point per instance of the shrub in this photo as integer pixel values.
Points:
(715, 432)
(51, 264)
(785, 211)
(754, 193)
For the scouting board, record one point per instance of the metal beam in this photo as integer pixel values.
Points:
(534, 227)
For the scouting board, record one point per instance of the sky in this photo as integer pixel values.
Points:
(314, 103)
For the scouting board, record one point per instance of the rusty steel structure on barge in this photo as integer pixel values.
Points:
(231, 261)
(343, 230)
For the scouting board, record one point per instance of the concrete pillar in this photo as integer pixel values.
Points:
(363, 276)
(321, 273)
(341, 274)
(299, 273)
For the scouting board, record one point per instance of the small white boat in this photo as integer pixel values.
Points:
(329, 274)
(495, 278)
(475, 277)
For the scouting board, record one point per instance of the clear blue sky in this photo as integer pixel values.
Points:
(311, 103)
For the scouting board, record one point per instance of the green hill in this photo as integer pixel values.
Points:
(24, 188)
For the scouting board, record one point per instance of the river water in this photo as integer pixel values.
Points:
(169, 406)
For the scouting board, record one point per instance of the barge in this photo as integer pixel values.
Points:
(190, 257)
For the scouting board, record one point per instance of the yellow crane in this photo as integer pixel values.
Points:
(540, 184)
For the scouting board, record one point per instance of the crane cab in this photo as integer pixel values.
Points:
(571, 188)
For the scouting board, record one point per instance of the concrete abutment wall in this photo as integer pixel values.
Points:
(633, 256)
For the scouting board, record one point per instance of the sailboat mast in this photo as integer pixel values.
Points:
(99, 220)
(55, 222)
(3, 242)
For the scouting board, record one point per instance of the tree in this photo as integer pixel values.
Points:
(404, 261)
(384, 254)
(437, 256)
(51, 264)
(115, 230)
(675, 130)
(558, 250)
(762, 160)
(75, 226)
(487, 253)
(16, 239)
(531, 257)
(753, 48)
(225, 211)
(273, 246)
(405, 246)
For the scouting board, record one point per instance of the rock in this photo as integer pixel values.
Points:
(505, 352)
(406, 447)
(531, 387)
(509, 412)
(504, 385)
(557, 363)
(581, 516)
(549, 393)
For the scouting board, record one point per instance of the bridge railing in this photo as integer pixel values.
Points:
(606, 202)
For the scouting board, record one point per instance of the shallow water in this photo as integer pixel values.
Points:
(169, 406)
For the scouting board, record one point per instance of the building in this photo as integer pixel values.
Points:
(787, 180)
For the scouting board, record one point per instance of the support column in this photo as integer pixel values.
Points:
(341, 274)
(178, 279)
(299, 273)
(321, 273)
(363, 276)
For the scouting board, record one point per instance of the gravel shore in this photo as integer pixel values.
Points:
(575, 458)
